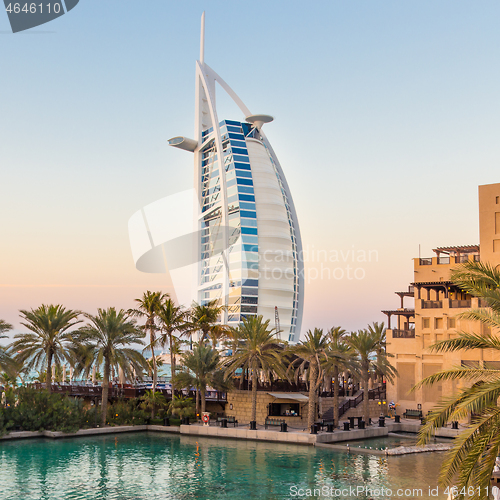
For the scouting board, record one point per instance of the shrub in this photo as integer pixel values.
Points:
(35, 410)
(181, 406)
(126, 412)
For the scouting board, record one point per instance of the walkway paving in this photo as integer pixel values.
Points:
(296, 436)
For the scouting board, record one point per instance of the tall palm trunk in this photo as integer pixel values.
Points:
(48, 376)
(155, 371)
(105, 392)
(203, 402)
(380, 355)
(204, 335)
(336, 395)
(172, 358)
(254, 395)
(197, 402)
(366, 402)
(313, 376)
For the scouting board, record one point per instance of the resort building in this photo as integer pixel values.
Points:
(249, 243)
(433, 317)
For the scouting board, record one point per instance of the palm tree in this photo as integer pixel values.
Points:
(151, 362)
(201, 369)
(50, 340)
(181, 406)
(340, 358)
(110, 335)
(379, 332)
(203, 318)
(311, 355)
(6, 362)
(149, 307)
(366, 347)
(152, 400)
(217, 333)
(258, 350)
(172, 319)
(471, 460)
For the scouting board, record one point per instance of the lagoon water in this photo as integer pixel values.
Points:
(142, 466)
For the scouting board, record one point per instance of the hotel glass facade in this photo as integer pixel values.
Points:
(249, 244)
(242, 226)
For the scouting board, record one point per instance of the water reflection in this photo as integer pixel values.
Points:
(160, 466)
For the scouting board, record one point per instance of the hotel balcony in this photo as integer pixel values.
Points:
(432, 304)
(448, 303)
(439, 268)
(461, 303)
(403, 334)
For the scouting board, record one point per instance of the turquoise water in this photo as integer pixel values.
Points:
(382, 443)
(143, 466)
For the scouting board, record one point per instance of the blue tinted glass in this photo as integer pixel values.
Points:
(247, 238)
(238, 137)
(244, 166)
(243, 173)
(246, 128)
(247, 206)
(246, 213)
(241, 158)
(250, 265)
(238, 144)
(247, 197)
(248, 230)
(239, 151)
(230, 183)
(247, 182)
(249, 309)
(234, 129)
(232, 122)
(249, 222)
(250, 248)
(249, 291)
(251, 283)
(245, 189)
(249, 300)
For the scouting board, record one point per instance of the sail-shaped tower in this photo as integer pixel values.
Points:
(249, 243)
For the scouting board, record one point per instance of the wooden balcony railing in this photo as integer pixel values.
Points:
(403, 334)
(432, 304)
(460, 303)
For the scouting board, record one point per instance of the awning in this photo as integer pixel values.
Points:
(294, 396)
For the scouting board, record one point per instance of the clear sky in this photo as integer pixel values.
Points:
(387, 119)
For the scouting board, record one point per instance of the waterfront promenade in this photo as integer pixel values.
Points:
(294, 436)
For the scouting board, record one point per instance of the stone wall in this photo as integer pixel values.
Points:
(241, 402)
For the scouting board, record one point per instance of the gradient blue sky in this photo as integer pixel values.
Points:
(386, 121)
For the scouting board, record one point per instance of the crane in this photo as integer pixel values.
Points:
(277, 322)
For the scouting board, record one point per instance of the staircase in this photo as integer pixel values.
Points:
(345, 406)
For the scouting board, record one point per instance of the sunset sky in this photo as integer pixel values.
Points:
(387, 118)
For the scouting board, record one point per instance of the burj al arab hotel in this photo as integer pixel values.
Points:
(248, 238)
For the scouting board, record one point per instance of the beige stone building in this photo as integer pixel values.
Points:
(412, 328)
(291, 407)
